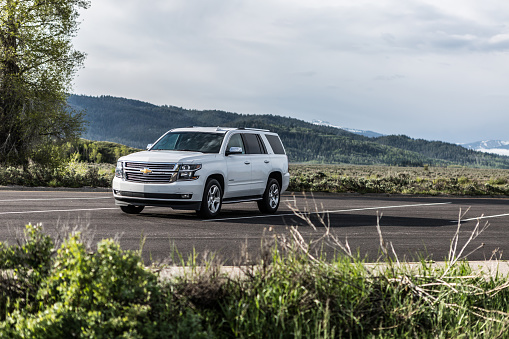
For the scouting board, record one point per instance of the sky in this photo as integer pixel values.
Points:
(430, 69)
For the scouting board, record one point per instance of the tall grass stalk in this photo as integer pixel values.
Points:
(435, 300)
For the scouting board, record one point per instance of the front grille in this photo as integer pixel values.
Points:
(150, 172)
(150, 165)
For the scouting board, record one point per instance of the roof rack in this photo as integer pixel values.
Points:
(253, 129)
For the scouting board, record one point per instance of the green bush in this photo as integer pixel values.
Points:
(24, 268)
(498, 181)
(96, 151)
(70, 174)
(106, 294)
(73, 292)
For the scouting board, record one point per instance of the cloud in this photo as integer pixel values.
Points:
(500, 40)
(432, 60)
(389, 77)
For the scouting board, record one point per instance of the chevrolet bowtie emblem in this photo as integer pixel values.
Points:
(145, 171)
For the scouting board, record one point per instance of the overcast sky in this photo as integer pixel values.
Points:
(432, 69)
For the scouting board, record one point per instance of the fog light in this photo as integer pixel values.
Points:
(185, 196)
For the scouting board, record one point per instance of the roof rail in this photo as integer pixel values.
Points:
(253, 129)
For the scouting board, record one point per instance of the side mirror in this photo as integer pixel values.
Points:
(234, 150)
(149, 145)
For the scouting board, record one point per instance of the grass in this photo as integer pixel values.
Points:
(293, 291)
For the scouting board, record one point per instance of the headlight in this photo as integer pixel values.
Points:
(119, 170)
(188, 171)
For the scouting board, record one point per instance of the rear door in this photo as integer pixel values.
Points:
(260, 162)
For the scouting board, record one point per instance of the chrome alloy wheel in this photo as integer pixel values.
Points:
(273, 196)
(213, 199)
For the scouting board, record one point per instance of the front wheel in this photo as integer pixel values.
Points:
(212, 199)
(131, 209)
(270, 201)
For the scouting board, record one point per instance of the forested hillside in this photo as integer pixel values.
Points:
(136, 124)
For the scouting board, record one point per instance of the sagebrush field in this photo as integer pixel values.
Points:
(399, 180)
(310, 178)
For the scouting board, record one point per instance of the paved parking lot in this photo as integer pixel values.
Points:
(415, 225)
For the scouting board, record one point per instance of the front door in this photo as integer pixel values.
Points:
(238, 181)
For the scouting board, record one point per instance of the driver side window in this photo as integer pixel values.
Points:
(236, 141)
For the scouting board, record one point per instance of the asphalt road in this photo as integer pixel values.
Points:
(416, 226)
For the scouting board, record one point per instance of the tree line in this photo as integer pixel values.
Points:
(136, 124)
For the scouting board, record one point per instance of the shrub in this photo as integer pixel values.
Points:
(498, 181)
(71, 174)
(24, 268)
(107, 293)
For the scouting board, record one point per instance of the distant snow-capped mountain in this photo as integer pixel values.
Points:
(490, 146)
(369, 134)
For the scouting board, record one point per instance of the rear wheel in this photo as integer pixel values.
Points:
(270, 201)
(131, 209)
(212, 199)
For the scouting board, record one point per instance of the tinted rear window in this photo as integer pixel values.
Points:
(275, 143)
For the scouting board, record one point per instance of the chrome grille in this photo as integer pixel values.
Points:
(154, 172)
(150, 165)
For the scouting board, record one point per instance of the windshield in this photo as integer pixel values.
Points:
(190, 141)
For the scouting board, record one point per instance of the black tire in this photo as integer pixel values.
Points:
(271, 197)
(212, 199)
(131, 209)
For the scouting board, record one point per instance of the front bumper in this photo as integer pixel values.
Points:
(178, 195)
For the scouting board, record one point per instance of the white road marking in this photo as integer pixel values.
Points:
(51, 211)
(484, 217)
(49, 199)
(327, 211)
(250, 217)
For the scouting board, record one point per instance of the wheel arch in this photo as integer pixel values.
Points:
(219, 178)
(278, 176)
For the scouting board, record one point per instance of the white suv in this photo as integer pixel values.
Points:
(201, 168)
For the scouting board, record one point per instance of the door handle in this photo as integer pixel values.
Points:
(266, 161)
(246, 162)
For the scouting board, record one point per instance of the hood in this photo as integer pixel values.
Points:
(167, 156)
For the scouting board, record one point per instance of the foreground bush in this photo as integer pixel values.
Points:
(72, 292)
(108, 293)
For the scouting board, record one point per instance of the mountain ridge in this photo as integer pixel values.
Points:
(499, 147)
(365, 133)
(135, 123)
